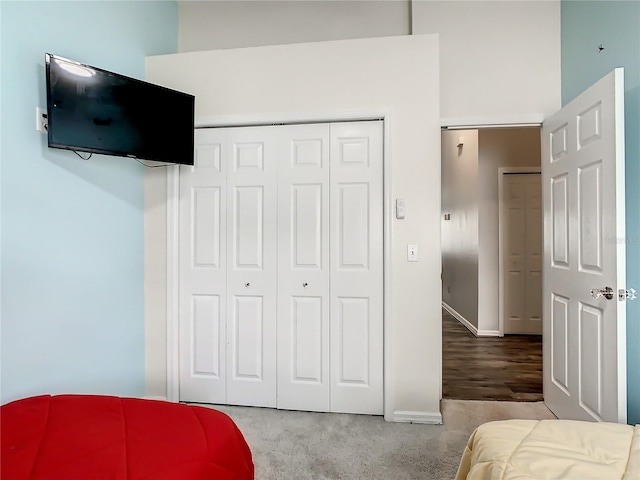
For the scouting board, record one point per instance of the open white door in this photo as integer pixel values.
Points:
(584, 314)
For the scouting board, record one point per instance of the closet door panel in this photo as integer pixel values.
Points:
(247, 324)
(353, 349)
(202, 271)
(353, 235)
(356, 267)
(303, 267)
(251, 267)
(248, 228)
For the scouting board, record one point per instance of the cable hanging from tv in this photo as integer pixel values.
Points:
(155, 166)
(141, 163)
(90, 155)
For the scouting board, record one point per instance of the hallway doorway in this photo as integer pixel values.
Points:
(479, 363)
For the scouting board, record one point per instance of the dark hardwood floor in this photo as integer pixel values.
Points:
(489, 368)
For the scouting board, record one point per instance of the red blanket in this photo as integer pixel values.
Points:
(102, 437)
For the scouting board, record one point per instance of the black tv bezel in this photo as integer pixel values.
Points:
(114, 153)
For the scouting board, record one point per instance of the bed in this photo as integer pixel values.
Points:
(551, 449)
(75, 437)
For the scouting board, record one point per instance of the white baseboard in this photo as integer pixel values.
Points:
(431, 418)
(488, 333)
(155, 397)
(472, 328)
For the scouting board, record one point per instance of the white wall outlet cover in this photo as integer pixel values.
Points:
(41, 120)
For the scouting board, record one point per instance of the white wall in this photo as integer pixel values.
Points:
(460, 233)
(155, 282)
(334, 80)
(500, 147)
(498, 59)
(233, 24)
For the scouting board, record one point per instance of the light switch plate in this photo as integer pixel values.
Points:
(400, 213)
(412, 253)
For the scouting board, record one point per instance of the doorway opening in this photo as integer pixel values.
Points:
(481, 359)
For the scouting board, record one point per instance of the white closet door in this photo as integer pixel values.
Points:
(251, 268)
(303, 267)
(534, 242)
(356, 213)
(202, 270)
(523, 265)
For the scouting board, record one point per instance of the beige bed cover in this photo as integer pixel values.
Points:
(551, 449)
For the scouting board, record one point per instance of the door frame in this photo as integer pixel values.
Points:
(501, 234)
(173, 201)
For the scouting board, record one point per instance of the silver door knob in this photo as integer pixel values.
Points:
(606, 292)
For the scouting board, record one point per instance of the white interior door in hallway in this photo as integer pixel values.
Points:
(584, 295)
(281, 268)
(522, 262)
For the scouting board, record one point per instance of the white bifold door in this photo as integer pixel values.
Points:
(281, 268)
(227, 304)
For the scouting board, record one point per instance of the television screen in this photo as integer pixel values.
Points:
(93, 110)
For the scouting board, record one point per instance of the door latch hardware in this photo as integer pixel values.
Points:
(630, 294)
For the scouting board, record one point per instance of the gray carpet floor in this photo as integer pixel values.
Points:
(291, 445)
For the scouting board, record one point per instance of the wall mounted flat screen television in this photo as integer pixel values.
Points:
(97, 111)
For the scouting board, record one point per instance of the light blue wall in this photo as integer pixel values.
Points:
(615, 25)
(72, 231)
